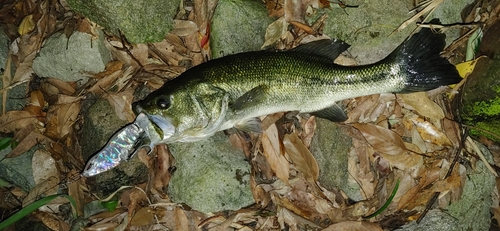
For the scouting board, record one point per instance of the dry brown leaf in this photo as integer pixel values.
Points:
(405, 160)
(110, 68)
(353, 226)
(37, 99)
(430, 133)
(36, 111)
(139, 51)
(496, 214)
(301, 157)
(181, 220)
(423, 105)
(142, 217)
(286, 203)
(360, 167)
(122, 102)
(89, 27)
(422, 195)
(452, 131)
(427, 7)
(275, 32)
(50, 220)
(295, 10)
(63, 87)
(303, 27)
(26, 142)
(274, 8)
(382, 139)
(23, 71)
(416, 139)
(61, 118)
(6, 76)
(270, 120)
(76, 189)
(261, 197)
(105, 82)
(46, 187)
(13, 121)
(163, 160)
(414, 196)
(362, 110)
(26, 25)
(184, 28)
(309, 127)
(272, 150)
(449, 183)
(65, 99)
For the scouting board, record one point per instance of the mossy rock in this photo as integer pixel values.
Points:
(480, 101)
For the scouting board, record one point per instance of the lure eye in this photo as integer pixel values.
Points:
(163, 102)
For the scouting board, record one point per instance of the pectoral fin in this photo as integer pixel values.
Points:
(333, 113)
(250, 99)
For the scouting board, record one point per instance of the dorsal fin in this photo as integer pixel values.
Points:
(327, 48)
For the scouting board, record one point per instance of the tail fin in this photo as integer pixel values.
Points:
(422, 64)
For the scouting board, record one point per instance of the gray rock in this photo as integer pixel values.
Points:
(479, 101)
(472, 211)
(4, 48)
(17, 95)
(82, 55)
(140, 21)
(449, 12)
(330, 146)
(101, 122)
(367, 28)
(435, 220)
(238, 26)
(18, 170)
(211, 175)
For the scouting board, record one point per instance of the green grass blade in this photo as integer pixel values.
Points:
(389, 200)
(32, 207)
(4, 142)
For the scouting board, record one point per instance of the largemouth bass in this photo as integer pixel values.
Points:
(233, 91)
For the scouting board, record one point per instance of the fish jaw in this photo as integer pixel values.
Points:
(164, 124)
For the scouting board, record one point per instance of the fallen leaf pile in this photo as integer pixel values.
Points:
(412, 139)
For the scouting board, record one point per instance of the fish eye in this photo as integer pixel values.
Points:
(163, 102)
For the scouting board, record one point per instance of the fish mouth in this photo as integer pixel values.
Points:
(163, 125)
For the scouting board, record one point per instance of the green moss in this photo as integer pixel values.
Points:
(486, 108)
(488, 129)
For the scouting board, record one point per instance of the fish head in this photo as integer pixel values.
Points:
(185, 113)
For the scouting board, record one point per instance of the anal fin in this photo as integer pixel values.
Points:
(333, 113)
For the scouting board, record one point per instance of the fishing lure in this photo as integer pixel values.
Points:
(122, 146)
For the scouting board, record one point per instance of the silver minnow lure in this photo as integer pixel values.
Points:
(122, 146)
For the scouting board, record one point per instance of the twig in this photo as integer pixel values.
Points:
(435, 196)
(481, 156)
